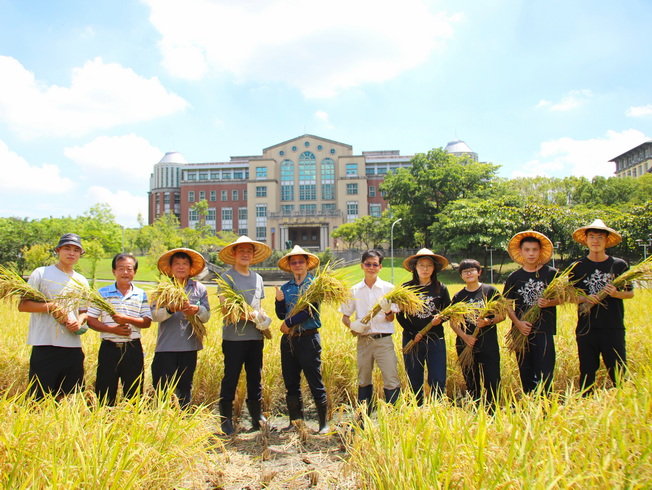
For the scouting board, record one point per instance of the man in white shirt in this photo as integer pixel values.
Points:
(375, 338)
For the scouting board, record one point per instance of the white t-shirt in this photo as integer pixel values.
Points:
(43, 328)
(364, 299)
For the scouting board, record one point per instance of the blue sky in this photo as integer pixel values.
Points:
(92, 94)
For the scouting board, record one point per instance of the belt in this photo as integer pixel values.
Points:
(305, 332)
(375, 336)
(121, 345)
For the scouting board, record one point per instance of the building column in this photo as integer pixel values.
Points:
(323, 237)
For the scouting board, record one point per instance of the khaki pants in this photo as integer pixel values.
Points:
(382, 351)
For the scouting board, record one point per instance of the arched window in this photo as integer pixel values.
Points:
(307, 168)
(287, 171)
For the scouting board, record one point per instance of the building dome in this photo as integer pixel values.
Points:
(173, 157)
(460, 148)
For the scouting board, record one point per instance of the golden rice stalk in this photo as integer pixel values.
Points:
(639, 272)
(455, 313)
(497, 307)
(407, 298)
(233, 305)
(82, 296)
(561, 288)
(12, 285)
(170, 293)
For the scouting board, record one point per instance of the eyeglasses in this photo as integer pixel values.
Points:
(369, 266)
(468, 271)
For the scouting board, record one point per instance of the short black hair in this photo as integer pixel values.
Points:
(373, 253)
(531, 239)
(596, 230)
(469, 264)
(122, 256)
(180, 255)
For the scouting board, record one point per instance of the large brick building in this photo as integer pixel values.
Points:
(634, 162)
(299, 190)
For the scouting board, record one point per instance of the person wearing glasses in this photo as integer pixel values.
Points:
(374, 339)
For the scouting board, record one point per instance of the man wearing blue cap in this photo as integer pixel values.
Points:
(56, 366)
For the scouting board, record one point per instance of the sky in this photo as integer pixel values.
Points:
(93, 94)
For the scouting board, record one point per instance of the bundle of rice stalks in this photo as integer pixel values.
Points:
(82, 296)
(327, 287)
(561, 288)
(640, 272)
(406, 297)
(12, 285)
(496, 307)
(233, 305)
(171, 294)
(455, 313)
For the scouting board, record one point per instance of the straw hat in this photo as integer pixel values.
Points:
(514, 246)
(613, 238)
(198, 262)
(261, 251)
(440, 261)
(284, 262)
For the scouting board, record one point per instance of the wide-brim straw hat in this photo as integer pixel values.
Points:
(613, 238)
(514, 246)
(198, 262)
(261, 251)
(440, 261)
(284, 262)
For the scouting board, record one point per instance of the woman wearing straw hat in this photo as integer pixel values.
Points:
(431, 347)
(242, 342)
(601, 331)
(301, 346)
(177, 345)
(536, 364)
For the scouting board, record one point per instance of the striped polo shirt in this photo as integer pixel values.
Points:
(133, 304)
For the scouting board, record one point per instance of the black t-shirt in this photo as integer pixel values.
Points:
(434, 303)
(526, 288)
(592, 277)
(488, 338)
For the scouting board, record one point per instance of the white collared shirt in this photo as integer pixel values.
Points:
(364, 299)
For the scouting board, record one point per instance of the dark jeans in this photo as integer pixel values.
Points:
(610, 343)
(239, 353)
(302, 353)
(430, 351)
(55, 370)
(175, 367)
(483, 373)
(119, 362)
(537, 363)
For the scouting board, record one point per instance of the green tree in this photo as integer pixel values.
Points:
(37, 255)
(347, 233)
(93, 252)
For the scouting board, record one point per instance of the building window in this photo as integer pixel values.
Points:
(192, 175)
(203, 175)
(261, 210)
(370, 171)
(261, 172)
(226, 175)
(382, 171)
(242, 213)
(287, 209)
(287, 171)
(327, 192)
(166, 198)
(193, 215)
(234, 195)
(352, 211)
(308, 209)
(328, 209)
(261, 191)
(307, 192)
(215, 176)
(227, 219)
(307, 168)
(352, 189)
(351, 169)
(238, 175)
(287, 193)
(261, 233)
(202, 195)
(224, 195)
(244, 195)
(372, 191)
(327, 170)
(375, 210)
(177, 198)
(191, 196)
(211, 215)
(213, 195)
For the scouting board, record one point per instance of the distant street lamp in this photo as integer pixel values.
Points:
(645, 245)
(555, 246)
(391, 244)
(491, 263)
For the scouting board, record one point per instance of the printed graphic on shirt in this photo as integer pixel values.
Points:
(597, 281)
(430, 309)
(531, 291)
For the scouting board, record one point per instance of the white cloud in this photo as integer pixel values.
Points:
(640, 111)
(324, 118)
(125, 157)
(572, 100)
(587, 158)
(317, 47)
(19, 177)
(124, 205)
(101, 95)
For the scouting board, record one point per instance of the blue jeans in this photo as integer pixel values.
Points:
(430, 351)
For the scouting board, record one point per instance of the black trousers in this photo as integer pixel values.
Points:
(119, 362)
(303, 354)
(610, 343)
(55, 370)
(239, 354)
(536, 364)
(483, 377)
(175, 367)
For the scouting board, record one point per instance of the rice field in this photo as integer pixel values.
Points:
(562, 442)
